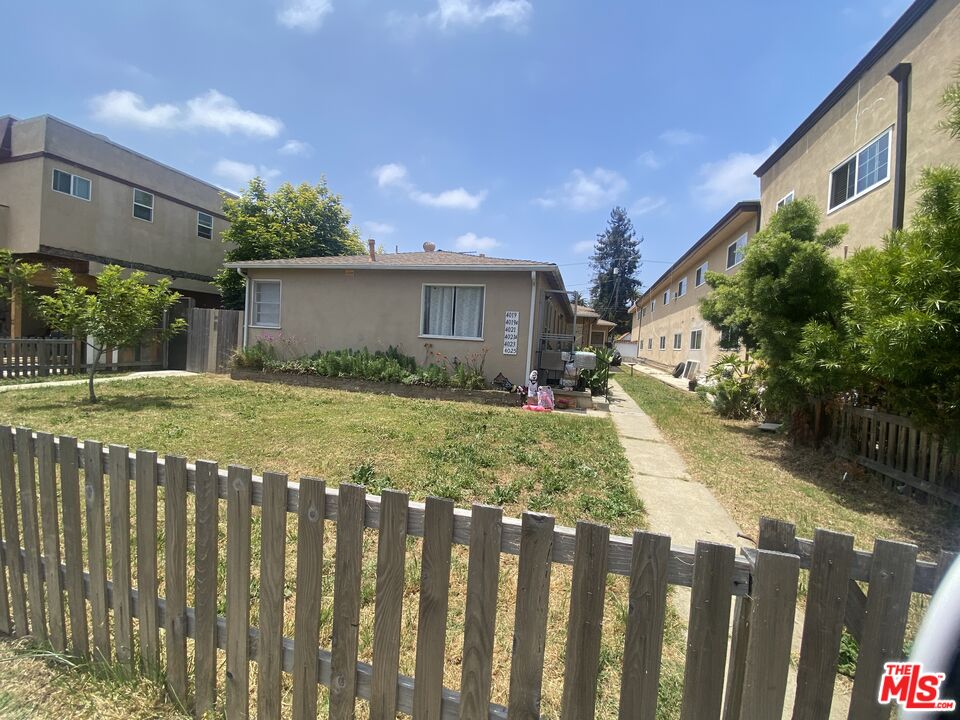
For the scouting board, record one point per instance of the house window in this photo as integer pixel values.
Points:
(453, 311)
(143, 205)
(653, 305)
(666, 297)
(701, 277)
(696, 339)
(862, 172)
(663, 342)
(266, 303)
(596, 338)
(69, 184)
(677, 341)
(650, 343)
(735, 251)
(785, 200)
(204, 225)
(682, 288)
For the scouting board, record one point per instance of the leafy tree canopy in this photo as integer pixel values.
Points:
(616, 262)
(303, 221)
(122, 312)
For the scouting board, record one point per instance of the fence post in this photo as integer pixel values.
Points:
(774, 603)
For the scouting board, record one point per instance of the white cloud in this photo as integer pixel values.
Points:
(584, 246)
(586, 191)
(646, 204)
(379, 228)
(470, 241)
(458, 199)
(211, 111)
(513, 15)
(306, 15)
(678, 136)
(730, 180)
(123, 107)
(649, 160)
(396, 176)
(238, 174)
(295, 147)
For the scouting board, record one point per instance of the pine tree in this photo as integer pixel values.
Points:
(616, 262)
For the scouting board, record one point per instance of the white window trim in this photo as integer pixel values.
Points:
(786, 199)
(676, 345)
(253, 303)
(663, 343)
(209, 215)
(684, 283)
(666, 297)
(151, 208)
(746, 240)
(73, 176)
(653, 305)
(703, 275)
(857, 195)
(483, 312)
(692, 331)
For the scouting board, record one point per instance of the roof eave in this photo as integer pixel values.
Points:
(253, 265)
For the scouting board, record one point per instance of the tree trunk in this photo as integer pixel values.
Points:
(93, 370)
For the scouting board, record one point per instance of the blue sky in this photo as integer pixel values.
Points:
(509, 127)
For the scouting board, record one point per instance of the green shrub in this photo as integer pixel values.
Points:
(732, 388)
(254, 357)
(597, 380)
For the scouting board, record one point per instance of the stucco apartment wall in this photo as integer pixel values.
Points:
(105, 226)
(374, 309)
(682, 315)
(867, 110)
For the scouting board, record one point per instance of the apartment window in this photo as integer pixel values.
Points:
(453, 311)
(701, 277)
(677, 341)
(143, 205)
(682, 288)
(663, 342)
(650, 343)
(696, 339)
(70, 184)
(735, 251)
(204, 225)
(785, 200)
(653, 305)
(729, 340)
(266, 303)
(666, 297)
(866, 169)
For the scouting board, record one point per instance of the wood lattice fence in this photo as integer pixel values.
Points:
(59, 587)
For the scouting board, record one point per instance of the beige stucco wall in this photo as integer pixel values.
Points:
(682, 315)
(105, 225)
(374, 309)
(932, 46)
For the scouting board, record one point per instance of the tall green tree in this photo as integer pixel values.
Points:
(616, 262)
(786, 302)
(121, 312)
(303, 221)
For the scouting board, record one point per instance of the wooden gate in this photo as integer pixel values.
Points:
(212, 336)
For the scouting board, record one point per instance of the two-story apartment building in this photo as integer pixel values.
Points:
(861, 151)
(71, 198)
(667, 325)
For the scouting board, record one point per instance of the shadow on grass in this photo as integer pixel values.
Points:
(109, 403)
(927, 523)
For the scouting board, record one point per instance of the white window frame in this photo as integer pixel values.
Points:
(653, 305)
(151, 207)
(200, 225)
(663, 342)
(701, 271)
(785, 200)
(681, 288)
(745, 239)
(483, 311)
(859, 194)
(73, 184)
(650, 343)
(699, 335)
(678, 341)
(666, 297)
(253, 303)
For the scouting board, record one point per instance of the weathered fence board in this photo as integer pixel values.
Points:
(11, 532)
(146, 502)
(348, 566)
(205, 587)
(31, 532)
(118, 470)
(49, 520)
(175, 576)
(272, 557)
(73, 547)
(96, 548)
(238, 591)
(309, 591)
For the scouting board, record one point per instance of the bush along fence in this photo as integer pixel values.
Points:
(45, 357)
(57, 600)
(897, 449)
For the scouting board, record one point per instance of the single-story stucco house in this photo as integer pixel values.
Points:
(425, 304)
(591, 328)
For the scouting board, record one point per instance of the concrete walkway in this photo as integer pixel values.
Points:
(97, 381)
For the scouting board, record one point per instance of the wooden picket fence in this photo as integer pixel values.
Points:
(897, 449)
(45, 357)
(46, 596)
